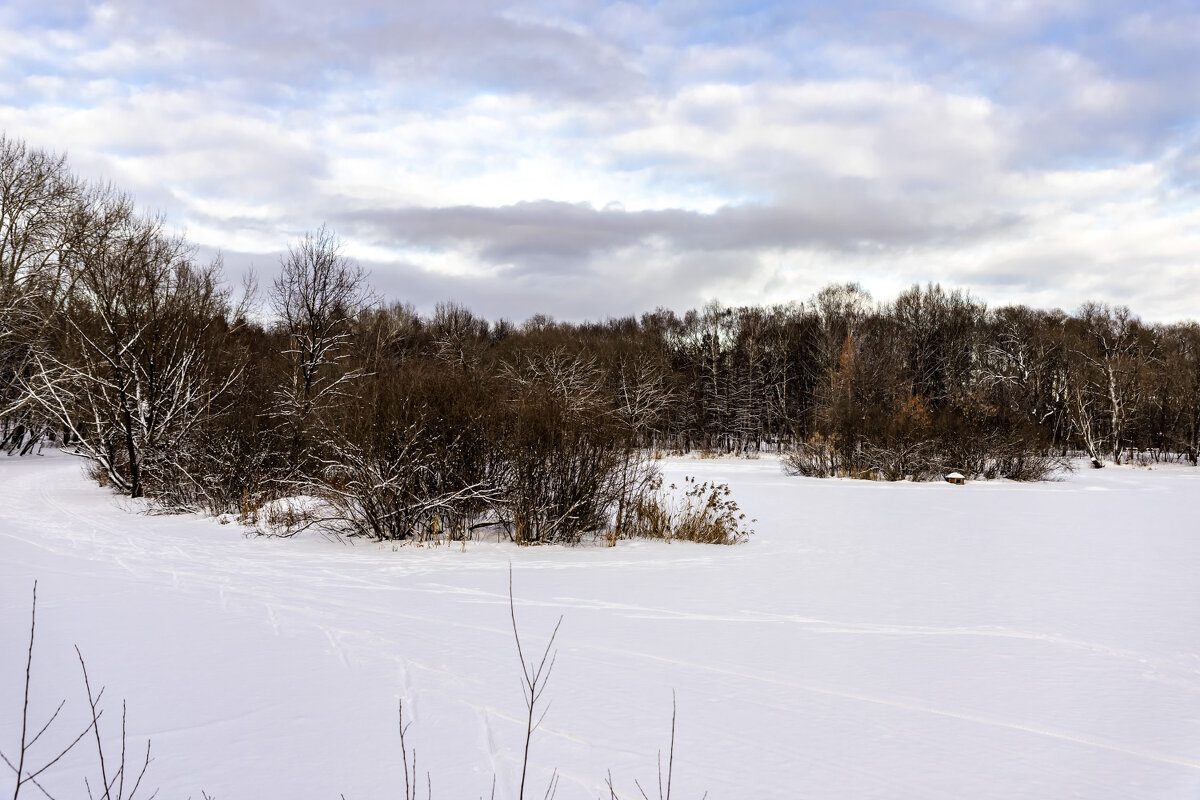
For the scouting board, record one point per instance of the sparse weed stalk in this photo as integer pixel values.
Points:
(288, 517)
(535, 674)
(118, 779)
(248, 512)
(664, 789)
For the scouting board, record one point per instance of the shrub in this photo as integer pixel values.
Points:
(815, 457)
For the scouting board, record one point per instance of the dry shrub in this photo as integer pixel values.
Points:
(97, 473)
(816, 457)
(1029, 466)
(983, 457)
(703, 513)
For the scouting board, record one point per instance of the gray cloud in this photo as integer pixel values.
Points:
(547, 236)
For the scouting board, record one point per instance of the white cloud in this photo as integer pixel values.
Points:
(600, 158)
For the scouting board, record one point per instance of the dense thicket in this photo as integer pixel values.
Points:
(116, 342)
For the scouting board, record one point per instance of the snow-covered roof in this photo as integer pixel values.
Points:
(957, 475)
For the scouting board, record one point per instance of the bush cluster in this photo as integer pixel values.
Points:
(117, 342)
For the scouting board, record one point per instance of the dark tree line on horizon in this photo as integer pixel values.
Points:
(117, 343)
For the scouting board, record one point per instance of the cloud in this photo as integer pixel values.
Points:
(587, 158)
(295, 50)
(529, 235)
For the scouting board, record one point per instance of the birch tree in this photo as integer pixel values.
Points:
(1107, 357)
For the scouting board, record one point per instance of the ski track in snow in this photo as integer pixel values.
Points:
(941, 712)
(870, 641)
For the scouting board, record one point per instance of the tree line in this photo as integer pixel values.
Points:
(116, 342)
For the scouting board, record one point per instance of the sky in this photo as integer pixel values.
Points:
(589, 159)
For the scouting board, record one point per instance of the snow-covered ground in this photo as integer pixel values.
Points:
(871, 640)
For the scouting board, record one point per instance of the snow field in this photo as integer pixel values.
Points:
(870, 641)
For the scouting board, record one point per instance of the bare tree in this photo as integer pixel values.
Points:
(1181, 394)
(1022, 367)
(940, 334)
(315, 298)
(747, 392)
(1107, 355)
(37, 197)
(131, 378)
(458, 334)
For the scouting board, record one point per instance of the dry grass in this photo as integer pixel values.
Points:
(704, 513)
